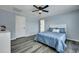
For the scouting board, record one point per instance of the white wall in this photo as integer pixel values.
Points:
(71, 19)
(8, 19)
(32, 25)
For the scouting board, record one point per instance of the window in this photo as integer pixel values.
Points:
(42, 25)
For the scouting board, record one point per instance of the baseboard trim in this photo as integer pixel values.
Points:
(23, 36)
(76, 40)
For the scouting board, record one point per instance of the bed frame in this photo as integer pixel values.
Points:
(59, 26)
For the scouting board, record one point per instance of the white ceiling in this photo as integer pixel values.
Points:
(26, 10)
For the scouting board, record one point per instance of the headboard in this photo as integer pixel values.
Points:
(59, 26)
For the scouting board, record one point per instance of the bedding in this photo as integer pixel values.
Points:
(52, 39)
(56, 30)
(61, 30)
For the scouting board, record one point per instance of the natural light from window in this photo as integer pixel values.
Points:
(42, 25)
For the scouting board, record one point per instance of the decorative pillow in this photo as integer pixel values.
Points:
(50, 29)
(56, 30)
(62, 30)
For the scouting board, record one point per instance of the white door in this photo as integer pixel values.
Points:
(20, 26)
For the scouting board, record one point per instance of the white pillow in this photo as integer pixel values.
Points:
(56, 30)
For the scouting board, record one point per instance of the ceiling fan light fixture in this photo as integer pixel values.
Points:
(40, 11)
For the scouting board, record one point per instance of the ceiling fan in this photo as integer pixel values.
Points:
(40, 9)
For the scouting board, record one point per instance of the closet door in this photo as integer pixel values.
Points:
(20, 26)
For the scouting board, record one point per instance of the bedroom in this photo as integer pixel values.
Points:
(24, 26)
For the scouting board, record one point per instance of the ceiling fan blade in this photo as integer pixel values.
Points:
(35, 10)
(36, 6)
(44, 10)
(45, 7)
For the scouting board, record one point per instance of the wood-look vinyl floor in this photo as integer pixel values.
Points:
(29, 45)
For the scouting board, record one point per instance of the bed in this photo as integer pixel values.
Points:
(53, 39)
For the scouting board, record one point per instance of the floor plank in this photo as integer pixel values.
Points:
(29, 45)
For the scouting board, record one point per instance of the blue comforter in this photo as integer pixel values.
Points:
(55, 40)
